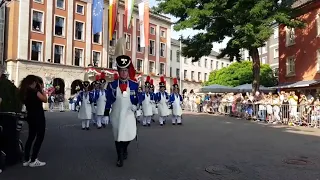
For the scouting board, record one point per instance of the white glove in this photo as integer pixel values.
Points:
(134, 108)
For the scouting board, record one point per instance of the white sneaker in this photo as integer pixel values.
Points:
(26, 163)
(37, 163)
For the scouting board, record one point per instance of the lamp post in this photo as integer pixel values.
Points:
(180, 65)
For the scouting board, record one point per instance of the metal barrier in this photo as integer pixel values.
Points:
(293, 115)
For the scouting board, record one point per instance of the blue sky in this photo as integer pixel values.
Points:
(189, 32)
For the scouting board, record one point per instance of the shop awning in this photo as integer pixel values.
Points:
(298, 84)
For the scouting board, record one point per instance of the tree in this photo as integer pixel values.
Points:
(247, 22)
(239, 73)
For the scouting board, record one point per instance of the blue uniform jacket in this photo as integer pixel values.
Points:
(142, 97)
(80, 96)
(158, 96)
(112, 92)
(97, 94)
(172, 98)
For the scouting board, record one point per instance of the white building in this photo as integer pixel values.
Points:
(193, 74)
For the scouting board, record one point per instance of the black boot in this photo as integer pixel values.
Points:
(104, 125)
(119, 153)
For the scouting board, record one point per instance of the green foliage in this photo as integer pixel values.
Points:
(247, 22)
(239, 73)
(10, 97)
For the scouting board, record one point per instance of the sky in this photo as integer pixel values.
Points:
(189, 32)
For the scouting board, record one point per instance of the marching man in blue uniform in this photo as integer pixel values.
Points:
(154, 104)
(146, 100)
(162, 99)
(100, 97)
(176, 102)
(122, 98)
(95, 86)
(85, 111)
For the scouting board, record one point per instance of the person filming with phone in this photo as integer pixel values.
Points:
(33, 96)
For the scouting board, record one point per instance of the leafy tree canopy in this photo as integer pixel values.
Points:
(247, 22)
(239, 73)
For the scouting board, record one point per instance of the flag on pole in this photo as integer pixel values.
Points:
(97, 16)
(113, 14)
(129, 4)
(144, 22)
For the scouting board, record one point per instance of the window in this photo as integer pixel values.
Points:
(59, 26)
(222, 64)
(290, 36)
(38, 1)
(37, 21)
(206, 63)
(58, 54)
(151, 66)
(79, 31)
(264, 50)
(60, 4)
(205, 77)
(36, 51)
(171, 55)
(290, 66)
(140, 65)
(276, 53)
(276, 72)
(97, 38)
(276, 33)
(152, 30)
(96, 56)
(162, 50)
(78, 57)
(114, 39)
(192, 75)
(185, 74)
(163, 33)
(217, 64)
(178, 73)
(199, 62)
(199, 76)
(138, 45)
(80, 9)
(162, 71)
(110, 62)
(170, 71)
(211, 64)
(264, 60)
(152, 47)
(185, 60)
(178, 56)
(128, 41)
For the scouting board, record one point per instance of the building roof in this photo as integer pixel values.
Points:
(299, 3)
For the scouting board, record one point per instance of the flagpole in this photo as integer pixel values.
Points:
(180, 65)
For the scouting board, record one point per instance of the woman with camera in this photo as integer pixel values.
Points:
(33, 96)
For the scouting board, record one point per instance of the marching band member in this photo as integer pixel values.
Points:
(146, 99)
(162, 99)
(100, 98)
(95, 87)
(85, 112)
(176, 102)
(122, 98)
(154, 105)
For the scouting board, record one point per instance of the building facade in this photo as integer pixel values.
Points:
(193, 74)
(299, 49)
(53, 38)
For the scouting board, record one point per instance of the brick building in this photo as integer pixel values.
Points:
(299, 49)
(54, 38)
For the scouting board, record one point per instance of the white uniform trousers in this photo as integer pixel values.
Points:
(94, 118)
(146, 120)
(85, 123)
(61, 106)
(162, 119)
(176, 119)
(102, 120)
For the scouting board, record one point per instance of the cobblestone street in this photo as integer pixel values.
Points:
(205, 147)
